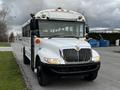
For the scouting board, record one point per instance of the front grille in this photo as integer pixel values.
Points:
(74, 69)
(85, 54)
(72, 55)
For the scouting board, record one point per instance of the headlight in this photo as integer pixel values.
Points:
(96, 59)
(52, 60)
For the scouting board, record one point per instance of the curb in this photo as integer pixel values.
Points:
(29, 86)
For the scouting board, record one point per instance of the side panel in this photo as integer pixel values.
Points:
(27, 44)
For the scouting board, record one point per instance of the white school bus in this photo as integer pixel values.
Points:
(54, 45)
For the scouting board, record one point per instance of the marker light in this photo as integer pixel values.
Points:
(43, 16)
(59, 9)
(37, 40)
(80, 17)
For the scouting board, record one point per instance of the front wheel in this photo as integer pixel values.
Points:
(42, 77)
(91, 76)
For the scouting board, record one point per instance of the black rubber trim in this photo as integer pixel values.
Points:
(54, 69)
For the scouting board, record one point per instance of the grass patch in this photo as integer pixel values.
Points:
(4, 44)
(10, 75)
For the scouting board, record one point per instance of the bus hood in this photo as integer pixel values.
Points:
(64, 43)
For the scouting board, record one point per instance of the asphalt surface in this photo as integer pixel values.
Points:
(108, 77)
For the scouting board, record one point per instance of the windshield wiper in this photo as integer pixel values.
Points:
(63, 36)
(54, 36)
(72, 36)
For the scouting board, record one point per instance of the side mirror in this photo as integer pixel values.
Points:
(87, 29)
(33, 23)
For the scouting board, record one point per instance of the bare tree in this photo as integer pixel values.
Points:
(3, 25)
(12, 37)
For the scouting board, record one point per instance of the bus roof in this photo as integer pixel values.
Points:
(59, 14)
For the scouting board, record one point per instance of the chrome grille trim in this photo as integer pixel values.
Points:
(72, 55)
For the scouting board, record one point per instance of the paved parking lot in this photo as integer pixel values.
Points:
(108, 77)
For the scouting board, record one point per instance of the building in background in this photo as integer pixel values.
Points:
(111, 34)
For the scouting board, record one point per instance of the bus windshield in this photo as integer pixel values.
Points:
(61, 29)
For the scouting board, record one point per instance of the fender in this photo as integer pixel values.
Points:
(94, 54)
(42, 53)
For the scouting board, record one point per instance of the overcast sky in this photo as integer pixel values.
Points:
(100, 13)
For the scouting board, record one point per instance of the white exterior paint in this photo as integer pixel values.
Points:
(57, 14)
(49, 48)
(60, 14)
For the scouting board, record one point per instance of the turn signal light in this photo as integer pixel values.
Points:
(37, 41)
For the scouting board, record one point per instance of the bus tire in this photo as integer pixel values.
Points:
(91, 76)
(26, 61)
(42, 77)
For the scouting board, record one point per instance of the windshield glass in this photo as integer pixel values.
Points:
(61, 29)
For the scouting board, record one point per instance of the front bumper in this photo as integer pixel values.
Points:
(70, 69)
